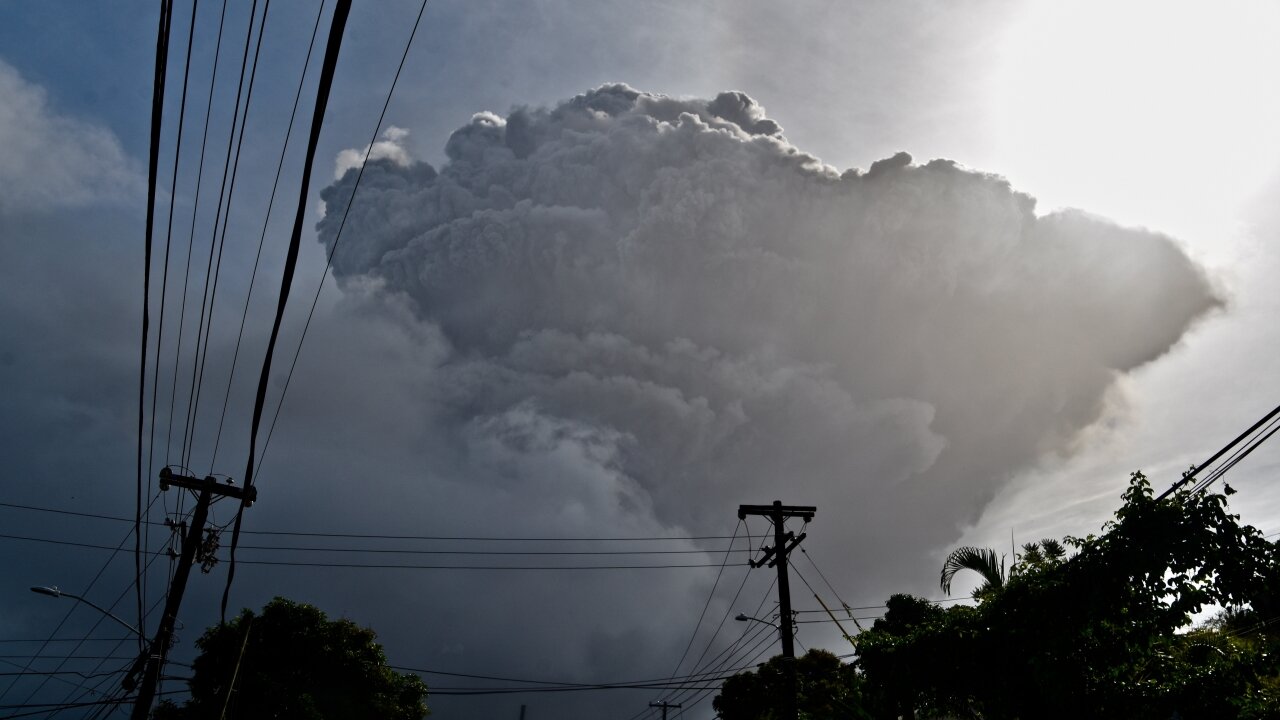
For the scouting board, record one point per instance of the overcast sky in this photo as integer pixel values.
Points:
(949, 272)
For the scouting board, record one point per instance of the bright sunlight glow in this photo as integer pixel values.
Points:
(1163, 114)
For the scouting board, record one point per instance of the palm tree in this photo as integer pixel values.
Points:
(980, 560)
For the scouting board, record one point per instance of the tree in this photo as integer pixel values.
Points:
(1101, 634)
(826, 689)
(292, 662)
(980, 560)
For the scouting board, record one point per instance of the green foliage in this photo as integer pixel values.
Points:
(1099, 635)
(980, 560)
(296, 665)
(826, 689)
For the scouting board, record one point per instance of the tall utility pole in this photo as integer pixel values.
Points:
(783, 543)
(664, 705)
(152, 659)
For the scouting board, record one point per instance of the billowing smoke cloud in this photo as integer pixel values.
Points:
(651, 310)
(52, 160)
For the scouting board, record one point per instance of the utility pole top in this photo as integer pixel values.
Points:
(664, 705)
(805, 512)
(783, 543)
(170, 479)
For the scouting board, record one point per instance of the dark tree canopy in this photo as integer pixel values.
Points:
(1101, 634)
(826, 689)
(1096, 627)
(296, 664)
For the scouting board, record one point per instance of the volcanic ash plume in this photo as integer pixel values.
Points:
(671, 293)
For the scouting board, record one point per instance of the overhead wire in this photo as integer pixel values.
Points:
(1188, 477)
(157, 116)
(332, 47)
(191, 241)
(275, 184)
(753, 634)
(102, 617)
(212, 272)
(848, 610)
(724, 617)
(46, 707)
(645, 682)
(651, 566)
(336, 240)
(226, 220)
(710, 596)
(102, 661)
(164, 282)
(88, 588)
(761, 646)
(1263, 435)
(384, 536)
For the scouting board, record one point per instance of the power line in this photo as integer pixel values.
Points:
(400, 551)
(157, 116)
(56, 640)
(329, 257)
(1240, 438)
(96, 688)
(756, 634)
(164, 282)
(706, 676)
(85, 591)
(728, 608)
(1239, 455)
(490, 567)
(100, 619)
(705, 605)
(332, 47)
(460, 538)
(663, 566)
(275, 184)
(215, 271)
(191, 241)
(762, 646)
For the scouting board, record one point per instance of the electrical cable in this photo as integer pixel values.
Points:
(1195, 471)
(191, 241)
(710, 596)
(71, 609)
(212, 272)
(157, 116)
(459, 538)
(101, 617)
(341, 10)
(271, 201)
(54, 706)
(642, 682)
(728, 655)
(728, 608)
(760, 648)
(1239, 455)
(848, 610)
(164, 282)
(329, 257)
(102, 661)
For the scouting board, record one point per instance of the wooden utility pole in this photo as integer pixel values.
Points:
(151, 661)
(783, 543)
(664, 705)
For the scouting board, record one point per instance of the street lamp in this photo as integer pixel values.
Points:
(790, 664)
(55, 592)
(743, 617)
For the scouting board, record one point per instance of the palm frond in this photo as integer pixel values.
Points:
(1053, 549)
(980, 560)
